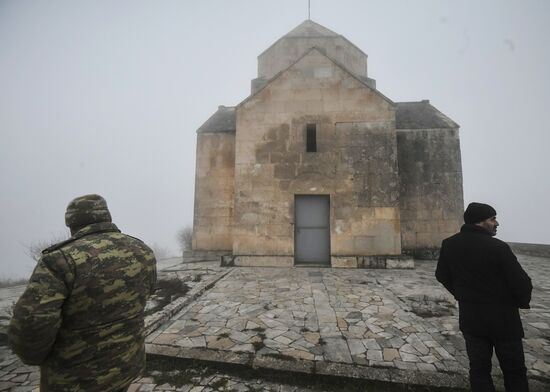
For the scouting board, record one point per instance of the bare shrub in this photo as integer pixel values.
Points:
(185, 238)
(160, 252)
(34, 249)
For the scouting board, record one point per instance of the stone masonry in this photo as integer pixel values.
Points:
(391, 170)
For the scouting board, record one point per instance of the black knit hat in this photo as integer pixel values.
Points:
(477, 212)
(85, 210)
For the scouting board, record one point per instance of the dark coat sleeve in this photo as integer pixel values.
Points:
(516, 278)
(443, 272)
(37, 314)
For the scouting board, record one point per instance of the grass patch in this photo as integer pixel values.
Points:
(166, 292)
(12, 282)
(197, 278)
(174, 287)
(282, 357)
(259, 345)
(426, 306)
(163, 372)
(219, 384)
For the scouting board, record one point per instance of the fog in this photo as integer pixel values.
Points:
(106, 96)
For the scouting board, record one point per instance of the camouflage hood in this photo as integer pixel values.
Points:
(85, 210)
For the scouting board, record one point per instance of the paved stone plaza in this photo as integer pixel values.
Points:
(388, 325)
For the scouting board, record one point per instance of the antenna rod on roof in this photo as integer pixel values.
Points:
(308, 9)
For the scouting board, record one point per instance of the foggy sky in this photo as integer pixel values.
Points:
(106, 96)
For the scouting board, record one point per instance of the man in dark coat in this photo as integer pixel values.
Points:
(490, 286)
(81, 318)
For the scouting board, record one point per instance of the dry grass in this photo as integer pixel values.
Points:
(12, 282)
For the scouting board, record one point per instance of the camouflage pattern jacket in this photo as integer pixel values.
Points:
(81, 317)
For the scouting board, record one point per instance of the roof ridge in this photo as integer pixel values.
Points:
(322, 52)
(307, 22)
(421, 101)
(333, 34)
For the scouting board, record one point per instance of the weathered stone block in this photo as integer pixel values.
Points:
(386, 213)
(343, 262)
(373, 262)
(264, 261)
(400, 263)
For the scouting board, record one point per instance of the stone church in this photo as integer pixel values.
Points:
(318, 167)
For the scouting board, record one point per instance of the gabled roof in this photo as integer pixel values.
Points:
(221, 121)
(310, 29)
(421, 115)
(343, 68)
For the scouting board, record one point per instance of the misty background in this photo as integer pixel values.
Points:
(106, 96)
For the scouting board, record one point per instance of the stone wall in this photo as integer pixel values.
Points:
(538, 250)
(289, 49)
(431, 200)
(355, 162)
(214, 192)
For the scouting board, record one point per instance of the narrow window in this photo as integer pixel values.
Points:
(311, 137)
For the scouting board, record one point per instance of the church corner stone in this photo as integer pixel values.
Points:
(318, 167)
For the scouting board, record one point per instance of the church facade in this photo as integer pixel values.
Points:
(318, 167)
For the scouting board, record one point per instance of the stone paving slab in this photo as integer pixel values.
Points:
(397, 326)
(198, 277)
(390, 325)
(15, 376)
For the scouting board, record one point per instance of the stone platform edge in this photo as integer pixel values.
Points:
(369, 262)
(537, 250)
(154, 321)
(334, 369)
(280, 363)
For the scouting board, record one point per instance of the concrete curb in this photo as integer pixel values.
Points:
(154, 321)
(537, 250)
(354, 371)
(334, 369)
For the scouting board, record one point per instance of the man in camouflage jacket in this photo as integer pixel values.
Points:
(81, 318)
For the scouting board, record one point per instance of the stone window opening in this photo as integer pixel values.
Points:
(311, 137)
